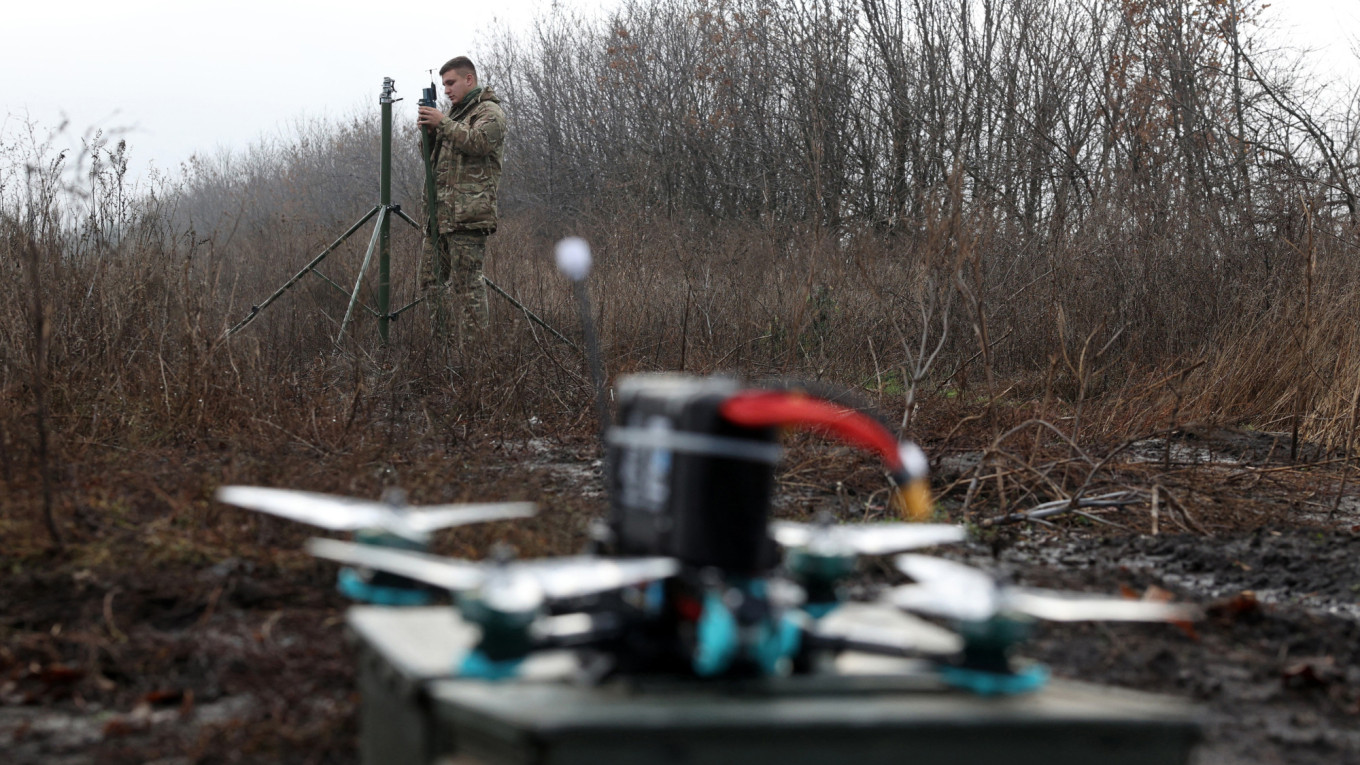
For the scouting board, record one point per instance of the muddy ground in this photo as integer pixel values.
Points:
(204, 657)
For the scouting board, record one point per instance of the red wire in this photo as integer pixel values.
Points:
(765, 409)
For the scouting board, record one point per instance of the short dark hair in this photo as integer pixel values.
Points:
(462, 64)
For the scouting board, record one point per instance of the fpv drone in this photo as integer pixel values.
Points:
(689, 576)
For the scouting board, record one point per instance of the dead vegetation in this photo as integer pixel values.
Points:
(1085, 282)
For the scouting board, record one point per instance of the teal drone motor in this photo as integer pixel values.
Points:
(761, 622)
(993, 618)
(740, 623)
(380, 587)
(986, 665)
(506, 638)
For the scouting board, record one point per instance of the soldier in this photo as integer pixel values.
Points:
(467, 166)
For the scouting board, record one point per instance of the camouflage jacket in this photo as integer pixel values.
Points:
(467, 163)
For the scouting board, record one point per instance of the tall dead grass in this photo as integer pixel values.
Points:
(1115, 328)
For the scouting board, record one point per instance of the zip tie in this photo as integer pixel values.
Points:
(694, 443)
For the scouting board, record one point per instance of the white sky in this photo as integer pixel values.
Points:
(1331, 28)
(179, 77)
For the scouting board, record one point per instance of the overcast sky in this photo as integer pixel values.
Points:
(179, 77)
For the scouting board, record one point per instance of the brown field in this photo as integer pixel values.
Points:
(1119, 270)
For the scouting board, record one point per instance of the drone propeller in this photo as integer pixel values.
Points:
(348, 514)
(821, 555)
(514, 585)
(993, 618)
(877, 629)
(956, 591)
(864, 539)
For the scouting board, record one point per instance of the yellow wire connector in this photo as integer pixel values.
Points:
(913, 500)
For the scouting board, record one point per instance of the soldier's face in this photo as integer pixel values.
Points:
(457, 85)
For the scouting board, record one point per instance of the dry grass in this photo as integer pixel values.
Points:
(149, 407)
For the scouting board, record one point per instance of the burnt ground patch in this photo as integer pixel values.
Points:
(175, 665)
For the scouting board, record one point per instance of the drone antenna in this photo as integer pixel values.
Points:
(573, 260)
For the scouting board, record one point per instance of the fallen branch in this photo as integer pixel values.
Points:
(1097, 519)
(1060, 506)
(1187, 520)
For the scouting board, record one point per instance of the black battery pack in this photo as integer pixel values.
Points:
(687, 483)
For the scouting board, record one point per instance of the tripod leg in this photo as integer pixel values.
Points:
(402, 214)
(255, 310)
(530, 314)
(368, 257)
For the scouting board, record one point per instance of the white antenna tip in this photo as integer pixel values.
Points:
(573, 258)
(913, 459)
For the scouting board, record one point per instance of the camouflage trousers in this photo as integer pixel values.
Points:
(451, 275)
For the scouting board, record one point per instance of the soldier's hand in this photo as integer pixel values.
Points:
(429, 117)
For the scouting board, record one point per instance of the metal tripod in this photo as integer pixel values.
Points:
(380, 241)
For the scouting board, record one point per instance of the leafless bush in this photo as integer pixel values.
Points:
(1072, 202)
